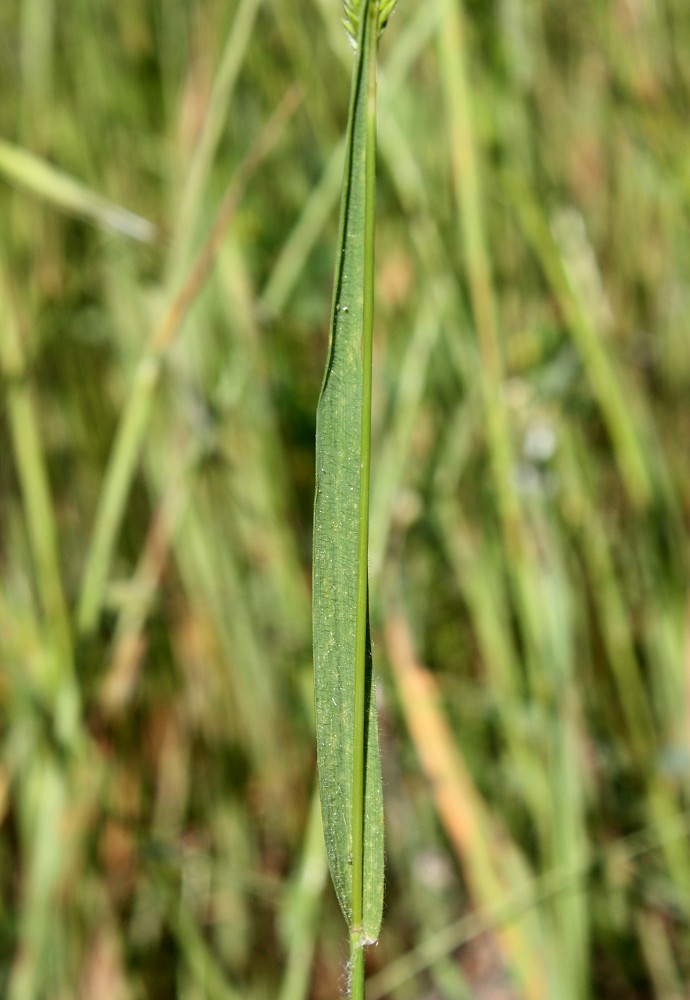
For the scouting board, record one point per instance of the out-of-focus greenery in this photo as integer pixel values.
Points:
(159, 834)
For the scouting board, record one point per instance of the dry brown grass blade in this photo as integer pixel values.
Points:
(475, 835)
(130, 645)
(269, 137)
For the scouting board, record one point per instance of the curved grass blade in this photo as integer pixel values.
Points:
(30, 172)
(135, 417)
(347, 740)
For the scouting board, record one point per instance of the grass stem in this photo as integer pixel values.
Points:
(365, 475)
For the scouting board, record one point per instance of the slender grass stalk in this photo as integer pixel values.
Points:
(59, 682)
(129, 644)
(290, 263)
(43, 804)
(491, 862)
(469, 197)
(302, 909)
(365, 476)
(615, 395)
(132, 428)
(234, 53)
(552, 883)
(347, 741)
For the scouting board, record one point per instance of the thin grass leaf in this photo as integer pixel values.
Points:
(22, 168)
(59, 681)
(491, 863)
(196, 182)
(615, 394)
(623, 850)
(301, 909)
(347, 740)
(135, 418)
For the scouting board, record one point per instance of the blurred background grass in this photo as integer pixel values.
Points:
(159, 834)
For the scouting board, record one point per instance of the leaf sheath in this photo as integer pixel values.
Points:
(347, 739)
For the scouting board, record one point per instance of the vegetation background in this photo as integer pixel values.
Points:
(159, 833)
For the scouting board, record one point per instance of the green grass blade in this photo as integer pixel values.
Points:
(32, 471)
(347, 741)
(615, 394)
(22, 168)
(300, 917)
(196, 181)
(134, 422)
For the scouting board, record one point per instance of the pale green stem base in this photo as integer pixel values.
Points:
(356, 968)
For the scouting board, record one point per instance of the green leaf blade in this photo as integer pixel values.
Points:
(337, 579)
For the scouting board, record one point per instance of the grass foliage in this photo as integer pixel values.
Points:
(348, 755)
(168, 224)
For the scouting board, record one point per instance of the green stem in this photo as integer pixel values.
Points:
(356, 967)
(359, 762)
(134, 422)
(58, 681)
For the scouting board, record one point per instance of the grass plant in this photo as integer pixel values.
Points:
(167, 234)
(346, 718)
